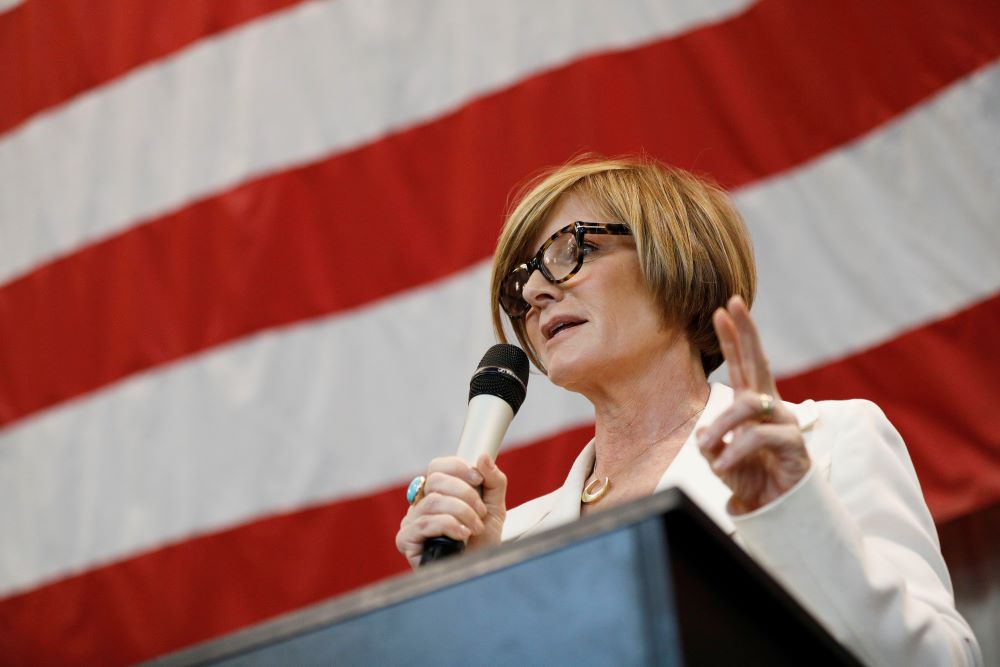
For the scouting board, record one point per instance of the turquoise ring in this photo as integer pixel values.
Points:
(415, 491)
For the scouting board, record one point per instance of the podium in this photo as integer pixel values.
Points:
(654, 582)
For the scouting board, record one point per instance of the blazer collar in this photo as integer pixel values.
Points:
(689, 470)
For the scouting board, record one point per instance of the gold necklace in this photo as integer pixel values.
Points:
(597, 488)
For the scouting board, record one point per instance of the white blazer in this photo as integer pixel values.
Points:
(853, 541)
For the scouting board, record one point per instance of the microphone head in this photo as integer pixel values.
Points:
(503, 372)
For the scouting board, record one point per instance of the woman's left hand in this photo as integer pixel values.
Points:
(766, 455)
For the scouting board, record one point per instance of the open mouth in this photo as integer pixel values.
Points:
(562, 326)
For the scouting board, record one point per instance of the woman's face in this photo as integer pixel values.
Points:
(601, 324)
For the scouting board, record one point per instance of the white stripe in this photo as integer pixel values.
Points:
(299, 85)
(7, 5)
(344, 406)
(882, 235)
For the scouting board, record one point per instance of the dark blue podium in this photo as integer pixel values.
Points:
(653, 582)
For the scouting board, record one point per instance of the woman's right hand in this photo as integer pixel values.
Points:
(451, 506)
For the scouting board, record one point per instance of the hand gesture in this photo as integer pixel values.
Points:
(766, 454)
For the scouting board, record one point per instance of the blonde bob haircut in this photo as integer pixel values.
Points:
(694, 250)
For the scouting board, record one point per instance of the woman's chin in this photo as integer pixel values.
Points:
(566, 371)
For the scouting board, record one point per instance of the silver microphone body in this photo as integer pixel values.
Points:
(486, 423)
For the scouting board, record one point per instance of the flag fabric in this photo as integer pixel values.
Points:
(244, 253)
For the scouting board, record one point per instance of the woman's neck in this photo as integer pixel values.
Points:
(650, 416)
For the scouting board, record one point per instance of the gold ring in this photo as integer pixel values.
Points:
(766, 412)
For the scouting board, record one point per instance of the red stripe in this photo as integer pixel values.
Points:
(52, 50)
(937, 384)
(207, 586)
(427, 202)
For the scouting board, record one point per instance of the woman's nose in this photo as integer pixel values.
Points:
(538, 291)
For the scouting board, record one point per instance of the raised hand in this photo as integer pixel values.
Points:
(755, 446)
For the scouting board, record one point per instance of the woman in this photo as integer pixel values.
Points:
(629, 282)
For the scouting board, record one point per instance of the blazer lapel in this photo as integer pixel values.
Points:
(690, 472)
(564, 503)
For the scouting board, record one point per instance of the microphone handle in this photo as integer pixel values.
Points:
(437, 548)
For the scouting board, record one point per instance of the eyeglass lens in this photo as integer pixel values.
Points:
(559, 259)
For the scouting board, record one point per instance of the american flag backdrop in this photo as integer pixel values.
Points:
(244, 257)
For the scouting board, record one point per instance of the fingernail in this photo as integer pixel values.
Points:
(701, 437)
(720, 464)
(477, 477)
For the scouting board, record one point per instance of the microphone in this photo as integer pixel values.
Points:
(496, 392)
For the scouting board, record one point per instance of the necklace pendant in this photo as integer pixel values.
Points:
(596, 490)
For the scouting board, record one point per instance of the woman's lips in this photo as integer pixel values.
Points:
(562, 328)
